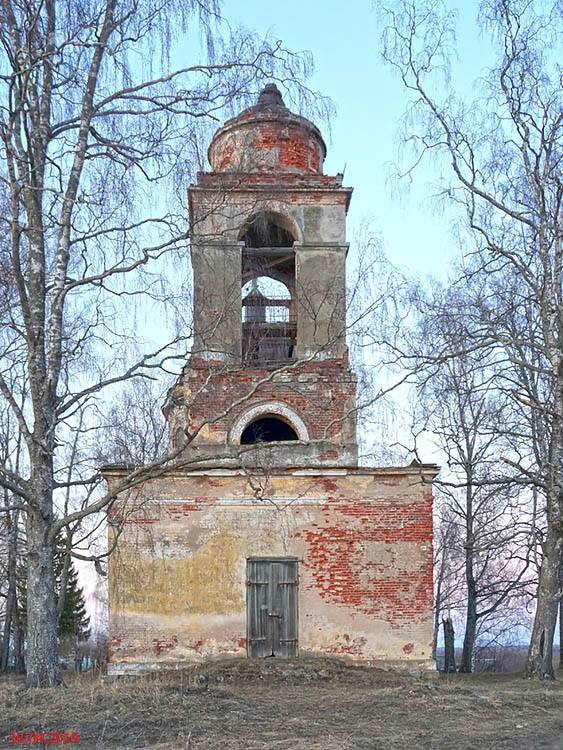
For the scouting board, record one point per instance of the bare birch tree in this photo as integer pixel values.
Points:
(504, 151)
(462, 404)
(96, 130)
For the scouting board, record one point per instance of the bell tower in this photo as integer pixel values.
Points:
(287, 547)
(268, 250)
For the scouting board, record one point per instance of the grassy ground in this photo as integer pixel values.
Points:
(316, 704)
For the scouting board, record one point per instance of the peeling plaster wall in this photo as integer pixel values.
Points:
(177, 579)
(321, 301)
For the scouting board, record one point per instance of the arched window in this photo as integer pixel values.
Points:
(271, 417)
(267, 429)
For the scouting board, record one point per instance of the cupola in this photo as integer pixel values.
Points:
(268, 137)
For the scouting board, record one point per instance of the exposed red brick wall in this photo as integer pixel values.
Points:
(295, 144)
(364, 538)
(319, 392)
(296, 149)
(342, 572)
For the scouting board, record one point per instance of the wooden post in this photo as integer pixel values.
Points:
(449, 645)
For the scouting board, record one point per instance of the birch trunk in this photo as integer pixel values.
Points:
(471, 612)
(470, 632)
(8, 616)
(42, 659)
(11, 595)
(540, 653)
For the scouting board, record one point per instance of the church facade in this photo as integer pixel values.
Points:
(265, 537)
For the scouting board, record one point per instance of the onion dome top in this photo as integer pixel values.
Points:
(268, 137)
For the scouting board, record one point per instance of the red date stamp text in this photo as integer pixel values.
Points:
(43, 738)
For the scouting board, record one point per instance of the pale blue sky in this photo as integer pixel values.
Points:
(344, 40)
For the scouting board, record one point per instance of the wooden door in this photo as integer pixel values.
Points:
(271, 606)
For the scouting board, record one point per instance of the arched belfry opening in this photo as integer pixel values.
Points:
(267, 229)
(269, 323)
(268, 429)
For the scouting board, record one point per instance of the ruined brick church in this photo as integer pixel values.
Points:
(265, 537)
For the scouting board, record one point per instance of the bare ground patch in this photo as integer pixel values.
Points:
(316, 704)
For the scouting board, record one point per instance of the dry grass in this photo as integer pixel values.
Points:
(316, 704)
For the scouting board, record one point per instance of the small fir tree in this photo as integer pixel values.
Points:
(73, 620)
